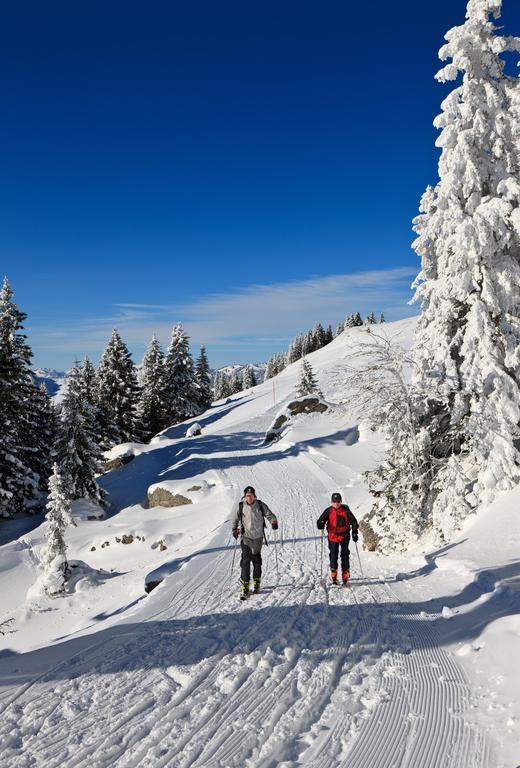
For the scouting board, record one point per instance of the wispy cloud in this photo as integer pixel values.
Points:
(253, 319)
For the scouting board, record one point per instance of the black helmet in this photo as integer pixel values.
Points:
(336, 497)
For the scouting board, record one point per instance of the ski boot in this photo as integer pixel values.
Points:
(245, 590)
(334, 577)
(256, 586)
(345, 576)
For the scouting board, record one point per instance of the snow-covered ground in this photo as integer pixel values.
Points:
(413, 666)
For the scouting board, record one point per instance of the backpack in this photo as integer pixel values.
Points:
(338, 526)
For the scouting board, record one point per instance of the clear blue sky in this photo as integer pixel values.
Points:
(228, 165)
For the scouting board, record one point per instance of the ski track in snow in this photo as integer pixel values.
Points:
(302, 674)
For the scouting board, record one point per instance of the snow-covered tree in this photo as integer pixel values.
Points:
(307, 384)
(57, 519)
(319, 336)
(77, 452)
(44, 438)
(340, 328)
(151, 408)
(329, 334)
(466, 349)
(370, 319)
(203, 378)
(222, 388)
(379, 393)
(235, 381)
(248, 377)
(18, 410)
(357, 321)
(295, 349)
(181, 387)
(275, 365)
(118, 393)
(382, 318)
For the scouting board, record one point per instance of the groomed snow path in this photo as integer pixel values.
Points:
(302, 674)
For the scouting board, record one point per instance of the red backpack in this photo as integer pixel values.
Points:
(338, 525)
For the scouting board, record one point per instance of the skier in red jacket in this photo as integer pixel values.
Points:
(339, 520)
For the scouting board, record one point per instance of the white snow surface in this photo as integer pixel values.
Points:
(415, 665)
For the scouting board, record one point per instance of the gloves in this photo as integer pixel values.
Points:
(274, 525)
(321, 526)
(236, 533)
(354, 537)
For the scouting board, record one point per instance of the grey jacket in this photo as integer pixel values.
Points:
(252, 520)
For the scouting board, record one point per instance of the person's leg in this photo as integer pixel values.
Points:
(345, 560)
(333, 557)
(245, 566)
(257, 569)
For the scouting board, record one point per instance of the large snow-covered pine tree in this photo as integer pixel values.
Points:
(307, 384)
(182, 391)
(152, 410)
(467, 344)
(118, 393)
(18, 410)
(203, 378)
(77, 453)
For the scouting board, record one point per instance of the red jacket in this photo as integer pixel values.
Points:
(338, 523)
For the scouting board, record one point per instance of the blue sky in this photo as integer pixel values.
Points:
(244, 168)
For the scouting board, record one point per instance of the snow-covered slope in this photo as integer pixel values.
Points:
(409, 667)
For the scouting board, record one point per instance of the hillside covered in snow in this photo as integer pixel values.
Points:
(150, 659)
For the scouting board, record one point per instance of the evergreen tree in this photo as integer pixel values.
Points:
(182, 391)
(467, 340)
(357, 319)
(88, 392)
(307, 384)
(235, 382)
(319, 337)
(329, 334)
(57, 519)
(340, 329)
(203, 377)
(248, 377)
(350, 321)
(309, 343)
(78, 455)
(382, 318)
(18, 412)
(44, 438)
(151, 409)
(118, 393)
(370, 319)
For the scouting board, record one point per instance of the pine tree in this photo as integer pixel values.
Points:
(18, 413)
(319, 337)
(307, 384)
(357, 320)
(181, 387)
(382, 318)
(44, 438)
(57, 519)
(203, 378)
(88, 392)
(78, 455)
(329, 334)
(248, 377)
(467, 340)
(118, 393)
(370, 319)
(235, 382)
(151, 409)
(340, 328)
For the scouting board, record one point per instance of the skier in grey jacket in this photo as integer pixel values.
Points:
(249, 521)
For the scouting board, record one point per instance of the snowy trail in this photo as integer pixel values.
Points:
(302, 674)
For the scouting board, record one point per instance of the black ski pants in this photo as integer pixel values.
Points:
(245, 563)
(334, 550)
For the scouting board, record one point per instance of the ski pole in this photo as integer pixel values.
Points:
(276, 556)
(358, 557)
(321, 556)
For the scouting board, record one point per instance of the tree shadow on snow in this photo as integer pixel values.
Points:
(367, 628)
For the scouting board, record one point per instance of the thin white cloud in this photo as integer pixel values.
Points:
(256, 317)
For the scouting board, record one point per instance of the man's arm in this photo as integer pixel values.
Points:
(353, 524)
(323, 519)
(267, 513)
